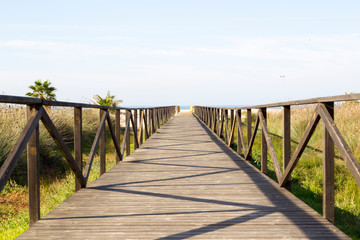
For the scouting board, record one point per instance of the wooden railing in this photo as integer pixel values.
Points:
(217, 120)
(149, 121)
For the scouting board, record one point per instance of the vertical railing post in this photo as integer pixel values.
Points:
(215, 120)
(148, 114)
(135, 118)
(141, 126)
(226, 137)
(127, 137)
(117, 131)
(218, 120)
(248, 123)
(238, 134)
(328, 169)
(205, 118)
(231, 124)
(102, 146)
(221, 125)
(209, 117)
(78, 142)
(33, 169)
(155, 120)
(158, 117)
(264, 167)
(153, 124)
(286, 141)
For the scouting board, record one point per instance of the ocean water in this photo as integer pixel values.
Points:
(187, 107)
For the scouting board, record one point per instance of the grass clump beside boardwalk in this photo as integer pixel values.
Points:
(307, 175)
(57, 180)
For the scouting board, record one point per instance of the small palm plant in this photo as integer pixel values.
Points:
(108, 100)
(42, 90)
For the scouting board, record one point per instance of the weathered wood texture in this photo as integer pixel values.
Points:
(183, 183)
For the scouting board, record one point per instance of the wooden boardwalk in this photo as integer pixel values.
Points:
(183, 183)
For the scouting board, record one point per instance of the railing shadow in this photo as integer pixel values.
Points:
(270, 187)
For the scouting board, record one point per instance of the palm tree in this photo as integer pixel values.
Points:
(42, 90)
(109, 100)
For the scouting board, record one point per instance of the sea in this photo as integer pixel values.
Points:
(187, 107)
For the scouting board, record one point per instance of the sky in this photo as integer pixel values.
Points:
(165, 52)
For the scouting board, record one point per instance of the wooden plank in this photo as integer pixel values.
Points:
(78, 143)
(33, 169)
(19, 100)
(14, 156)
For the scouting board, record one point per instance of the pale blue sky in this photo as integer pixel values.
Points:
(182, 52)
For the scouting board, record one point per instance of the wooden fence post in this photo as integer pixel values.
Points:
(286, 142)
(238, 134)
(141, 126)
(248, 120)
(117, 131)
(33, 169)
(78, 142)
(135, 116)
(127, 137)
(153, 122)
(328, 169)
(102, 146)
(226, 137)
(231, 124)
(264, 167)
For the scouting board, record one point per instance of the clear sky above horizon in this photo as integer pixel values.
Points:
(185, 52)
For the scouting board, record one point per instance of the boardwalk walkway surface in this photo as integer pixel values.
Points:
(183, 183)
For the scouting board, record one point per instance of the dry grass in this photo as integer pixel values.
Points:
(57, 181)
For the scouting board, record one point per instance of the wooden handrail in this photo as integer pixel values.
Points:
(30, 138)
(216, 117)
